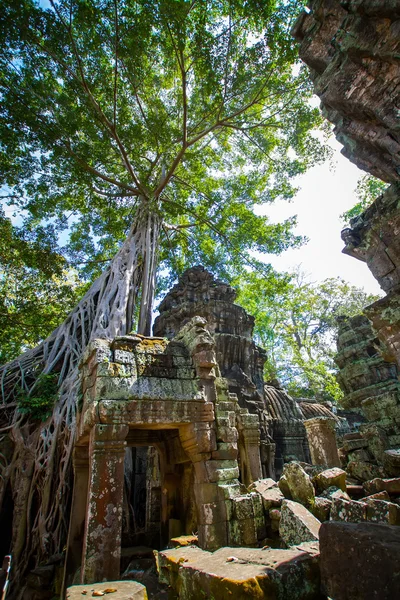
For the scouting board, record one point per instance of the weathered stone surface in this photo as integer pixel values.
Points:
(297, 524)
(331, 477)
(322, 508)
(124, 590)
(364, 372)
(363, 471)
(299, 483)
(350, 511)
(377, 496)
(238, 573)
(360, 561)
(391, 462)
(352, 53)
(321, 435)
(381, 511)
(269, 491)
(334, 492)
(392, 486)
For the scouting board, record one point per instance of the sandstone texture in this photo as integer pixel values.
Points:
(352, 51)
(331, 477)
(360, 561)
(123, 590)
(299, 483)
(297, 524)
(239, 573)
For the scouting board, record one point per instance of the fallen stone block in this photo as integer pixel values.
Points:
(238, 573)
(297, 524)
(284, 487)
(122, 590)
(360, 561)
(275, 516)
(322, 508)
(299, 483)
(334, 492)
(331, 477)
(184, 540)
(350, 511)
(354, 444)
(378, 496)
(391, 486)
(364, 471)
(381, 511)
(269, 491)
(391, 462)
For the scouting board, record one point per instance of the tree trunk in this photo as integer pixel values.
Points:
(40, 471)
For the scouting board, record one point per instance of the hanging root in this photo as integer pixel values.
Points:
(39, 471)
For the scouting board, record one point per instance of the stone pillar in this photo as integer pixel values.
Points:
(73, 558)
(322, 441)
(249, 447)
(102, 541)
(267, 454)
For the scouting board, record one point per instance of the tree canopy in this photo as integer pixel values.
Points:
(194, 111)
(368, 190)
(296, 324)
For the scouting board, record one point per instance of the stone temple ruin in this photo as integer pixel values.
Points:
(183, 448)
(194, 398)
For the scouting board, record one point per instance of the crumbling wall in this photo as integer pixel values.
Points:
(352, 48)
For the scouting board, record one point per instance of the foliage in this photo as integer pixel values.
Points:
(196, 111)
(38, 404)
(368, 190)
(36, 289)
(296, 324)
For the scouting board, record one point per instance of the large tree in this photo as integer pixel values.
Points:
(160, 124)
(296, 322)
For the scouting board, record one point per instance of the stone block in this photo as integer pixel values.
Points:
(238, 573)
(124, 590)
(330, 477)
(284, 487)
(212, 512)
(213, 536)
(222, 470)
(269, 492)
(299, 483)
(275, 517)
(225, 433)
(225, 451)
(363, 471)
(354, 444)
(322, 508)
(391, 462)
(381, 511)
(391, 486)
(334, 492)
(378, 496)
(360, 561)
(350, 511)
(297, 524)
(243, 507)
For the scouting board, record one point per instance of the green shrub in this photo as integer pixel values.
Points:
(41, 399)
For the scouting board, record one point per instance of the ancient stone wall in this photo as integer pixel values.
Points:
(352, 48)
(240, 361)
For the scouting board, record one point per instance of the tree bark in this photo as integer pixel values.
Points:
(40, 471)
